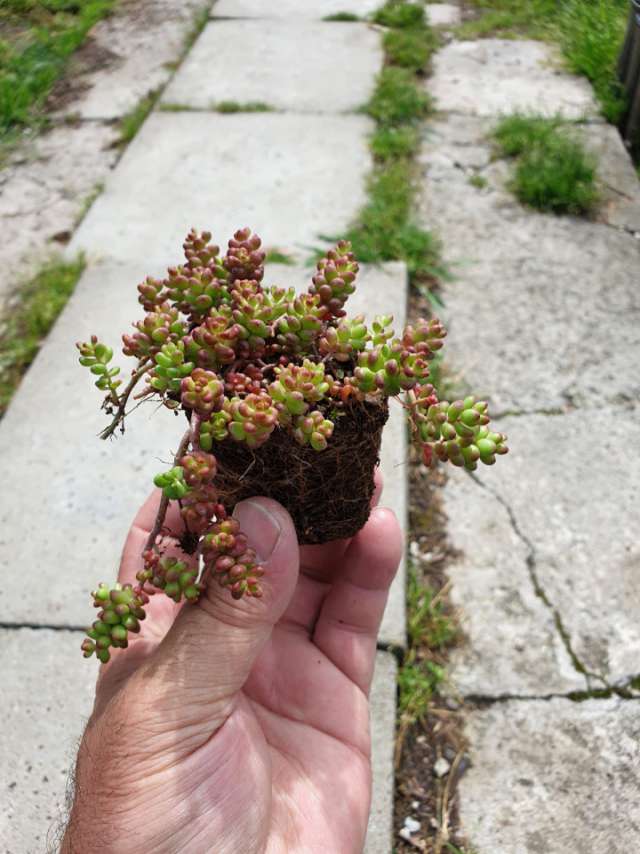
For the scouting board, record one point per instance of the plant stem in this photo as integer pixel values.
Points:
(164, 501)
(124, 399)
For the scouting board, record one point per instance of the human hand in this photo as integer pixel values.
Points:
(241, 726)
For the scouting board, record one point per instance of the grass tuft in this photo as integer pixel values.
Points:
(40, 302)
(589, 32)
(238, 107)
(553, 172)
(131, 123)
(37, 40)
(392, 143)
(344, 17)
(397, 99)
(410, 48)
(275, 256)
(398, 15)
(478, 181)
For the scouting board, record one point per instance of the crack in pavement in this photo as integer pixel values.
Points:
(573, 696)
(38, 627)
(541, 593)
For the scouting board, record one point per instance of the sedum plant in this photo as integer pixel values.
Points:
(275, 380)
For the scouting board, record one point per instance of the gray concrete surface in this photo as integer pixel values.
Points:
(291, 177)
(50, 696)
(493, 76)
(553, 777)
(443, 14)
(572, 487)
(383, 727)
(541, 284)
(544, 316)
(287, 9)
(129, 55)
(511, 643)
(226, 171)
(271, 69)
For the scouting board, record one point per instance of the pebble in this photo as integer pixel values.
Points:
(411, 824)
(441, 767)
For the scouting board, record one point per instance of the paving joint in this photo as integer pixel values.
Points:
(485, 700)
(39, 627)
(531, 561)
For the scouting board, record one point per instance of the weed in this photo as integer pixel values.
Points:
(428, 625)
(176, 107)
(590, 33)
(391, 143)
(553, 171)
(398, 14)
(43, 36)
(27, 324)
(417, 683)
(87, 202)
(397, 99)
(237, 107)
(275, 256)
(346, 17)
(131, 123)
(410, 48)
(520, 132)
(478, 181)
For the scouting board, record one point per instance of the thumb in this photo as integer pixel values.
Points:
(211, 647)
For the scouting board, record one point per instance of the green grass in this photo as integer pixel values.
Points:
(589, 32)
(392, 143)
(399, 15)
(238, 107)
(430, 632)
(40, 302)
(275, 256)
(397, 99)
(344, 17)
(385, 229)
(131, 123)
(478, 181)
(553, 172)
(410, 48)
(36, 39)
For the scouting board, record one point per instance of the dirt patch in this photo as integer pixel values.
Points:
(88, 59)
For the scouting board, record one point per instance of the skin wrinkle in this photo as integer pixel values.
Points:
(293, 778)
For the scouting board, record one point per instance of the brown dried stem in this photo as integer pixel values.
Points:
(124, 399)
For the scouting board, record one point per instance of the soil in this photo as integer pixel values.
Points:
(420, 794)
(89, 57)
(327, 493)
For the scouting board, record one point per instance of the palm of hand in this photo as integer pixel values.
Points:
(273, 759)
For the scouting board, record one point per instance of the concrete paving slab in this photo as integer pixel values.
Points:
(50, 697)
(289, 65)
(383, 734)
(443, 14)
(43, 189)
(51, 691)
(617, 176)
(288, 9)
(528, 288)
(89, 490)
(512, 645)
(572, 485)
(291, 177)
(128, 55)
(494, 76)
(552, 777)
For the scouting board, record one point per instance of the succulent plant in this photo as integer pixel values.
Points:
(248, 365)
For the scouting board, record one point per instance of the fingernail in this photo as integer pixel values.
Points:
(261, 528)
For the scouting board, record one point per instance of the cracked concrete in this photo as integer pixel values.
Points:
(51, 178)
(552, 777)
(544, 316)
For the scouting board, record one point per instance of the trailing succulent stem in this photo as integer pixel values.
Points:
(243, 360)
